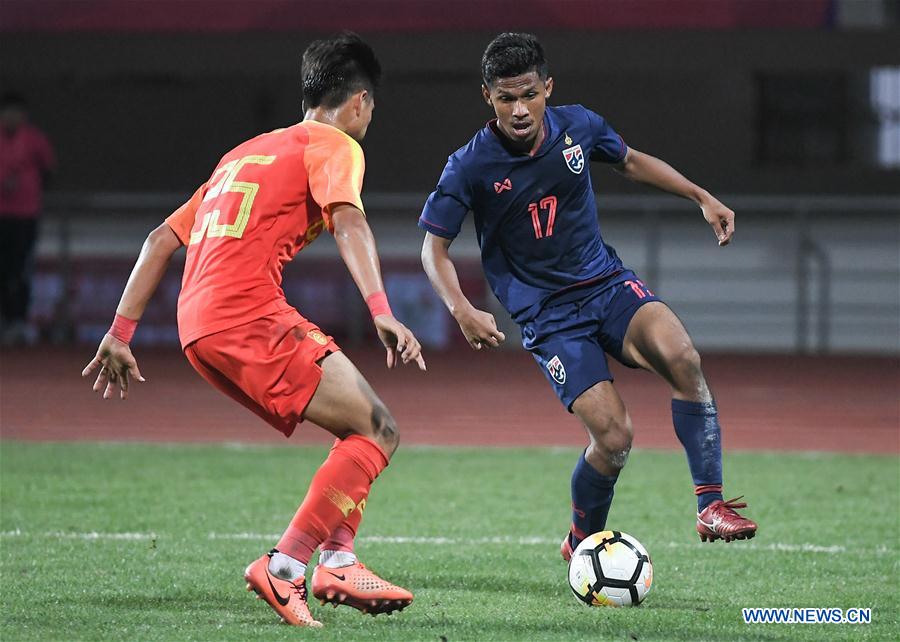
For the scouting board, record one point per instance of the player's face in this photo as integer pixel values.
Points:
(363, 105)
(519, 103)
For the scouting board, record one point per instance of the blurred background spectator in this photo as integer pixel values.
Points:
(788, 109)
(26, 161)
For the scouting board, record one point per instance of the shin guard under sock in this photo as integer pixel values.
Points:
(697, 427)
(592, 494)
(338, 490)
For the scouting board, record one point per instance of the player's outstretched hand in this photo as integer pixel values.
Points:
(720, 218)
(480, 328)
(399, 341)
(117, 366)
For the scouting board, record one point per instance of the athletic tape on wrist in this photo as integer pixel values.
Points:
(378, 304)
(123, 328)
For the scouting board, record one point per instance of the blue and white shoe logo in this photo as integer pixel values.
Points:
(557, 370)
(574, 158)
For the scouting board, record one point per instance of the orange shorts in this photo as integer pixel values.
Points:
(268, 365)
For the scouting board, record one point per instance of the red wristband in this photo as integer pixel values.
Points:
(123, 328)
(378, 304)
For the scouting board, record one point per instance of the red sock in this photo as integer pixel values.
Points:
(341, 538)
(337, 491)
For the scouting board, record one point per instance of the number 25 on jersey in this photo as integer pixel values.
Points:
(225, 175)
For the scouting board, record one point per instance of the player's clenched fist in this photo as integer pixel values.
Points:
(480, 328)
(399, 341)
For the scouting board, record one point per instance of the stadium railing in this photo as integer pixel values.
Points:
(806, 273)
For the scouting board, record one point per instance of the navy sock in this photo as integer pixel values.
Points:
(697, 427)
(592, 494)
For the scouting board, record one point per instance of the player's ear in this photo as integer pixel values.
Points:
(486, 94)
(548, 87)
(358, 99)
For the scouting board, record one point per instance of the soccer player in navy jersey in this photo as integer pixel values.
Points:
(524, 178)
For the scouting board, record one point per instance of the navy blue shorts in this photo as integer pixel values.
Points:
(570, 340)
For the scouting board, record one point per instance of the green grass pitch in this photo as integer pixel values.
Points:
(148, 542)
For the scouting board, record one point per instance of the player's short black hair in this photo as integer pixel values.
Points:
(336, 68)
(513, 54)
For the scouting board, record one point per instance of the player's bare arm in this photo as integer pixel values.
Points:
(650, 170)
(356, 245)
(568, 291)
(114, 358)
(478, 326)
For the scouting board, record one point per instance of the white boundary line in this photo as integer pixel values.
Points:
(776, 547)
(88, 536)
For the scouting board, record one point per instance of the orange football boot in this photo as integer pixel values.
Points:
(286, 597)
(357, 586)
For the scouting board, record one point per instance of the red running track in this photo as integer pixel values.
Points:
(772, 402)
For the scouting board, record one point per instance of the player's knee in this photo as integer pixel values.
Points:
(618, 446)
(613, 443)
(384, 429)
(684, 364)
(689, 359)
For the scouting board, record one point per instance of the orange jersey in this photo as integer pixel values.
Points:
(267, 199)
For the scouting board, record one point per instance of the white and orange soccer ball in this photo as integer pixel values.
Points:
(610, 569)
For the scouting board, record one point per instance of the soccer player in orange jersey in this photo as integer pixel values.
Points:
(266, 200)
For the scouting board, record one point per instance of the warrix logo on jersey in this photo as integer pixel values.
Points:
(574, 158)
(557, 370)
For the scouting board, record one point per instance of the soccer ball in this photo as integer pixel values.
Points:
(610, 569)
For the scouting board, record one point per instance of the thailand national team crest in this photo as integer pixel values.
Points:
(557, 370)
(574, 158)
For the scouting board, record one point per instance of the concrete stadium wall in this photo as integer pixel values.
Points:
(139, 112)
(754, 295)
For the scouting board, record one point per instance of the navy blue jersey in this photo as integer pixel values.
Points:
(535, 216)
